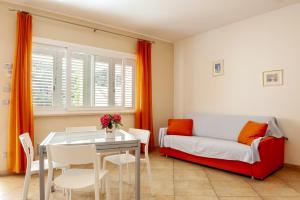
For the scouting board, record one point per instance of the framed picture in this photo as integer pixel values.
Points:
(273, 78)
(218, 68)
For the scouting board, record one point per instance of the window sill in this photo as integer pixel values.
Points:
(79, 113)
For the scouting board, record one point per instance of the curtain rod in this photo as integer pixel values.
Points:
(81, 25)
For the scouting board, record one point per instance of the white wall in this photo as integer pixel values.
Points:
(162, 71)
(249, 47)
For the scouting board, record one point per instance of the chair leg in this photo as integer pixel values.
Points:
(128, 174)
(97, 196)
(104, 164)
(102, 186)
(63, 170)
(52, 186)
(107, 187)
(49, 184)
(100, 160)
(103, 183)
(67, 194)
(120, 183)
(26, 185)
(149, 176)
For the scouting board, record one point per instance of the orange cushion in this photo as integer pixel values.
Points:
(180, 127)
(251, 131)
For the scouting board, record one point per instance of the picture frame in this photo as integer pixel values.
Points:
(273, 78)
(218, 68)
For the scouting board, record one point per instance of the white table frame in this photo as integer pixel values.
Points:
(101, 147)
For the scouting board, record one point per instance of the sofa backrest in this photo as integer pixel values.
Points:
(225, 127)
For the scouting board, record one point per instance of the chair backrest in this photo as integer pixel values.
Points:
(141, 134)
(80, 128)
(27, 146)
(72, 154)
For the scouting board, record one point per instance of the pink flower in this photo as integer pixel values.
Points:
(117, 118)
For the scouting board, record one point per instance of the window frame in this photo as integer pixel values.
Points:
(90, 110)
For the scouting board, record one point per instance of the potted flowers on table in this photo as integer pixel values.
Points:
(111, 122)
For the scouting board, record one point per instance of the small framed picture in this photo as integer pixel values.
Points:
(273, 78)
(218, 68)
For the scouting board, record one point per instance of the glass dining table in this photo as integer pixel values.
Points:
(121, 141)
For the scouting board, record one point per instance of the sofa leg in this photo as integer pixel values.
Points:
(166, 156)
(252, 177)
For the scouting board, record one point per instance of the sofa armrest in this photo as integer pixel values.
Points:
(271, 151)
(162, 133)
(271, 147)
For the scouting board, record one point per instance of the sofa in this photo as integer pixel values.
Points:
(214, 143)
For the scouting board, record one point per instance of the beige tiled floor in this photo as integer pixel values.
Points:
(179, 180)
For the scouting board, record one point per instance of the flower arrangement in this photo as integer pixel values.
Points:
(111, 121)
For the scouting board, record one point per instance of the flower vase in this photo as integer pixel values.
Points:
(110, 132)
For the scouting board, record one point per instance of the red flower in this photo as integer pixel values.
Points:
(117, 118)
(105, 120)
(110, 121)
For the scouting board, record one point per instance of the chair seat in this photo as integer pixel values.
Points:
(78, 178)
(120, 159)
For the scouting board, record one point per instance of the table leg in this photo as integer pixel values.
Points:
(42, 173)
(137, 172)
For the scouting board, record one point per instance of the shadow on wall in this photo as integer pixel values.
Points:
(291, 128)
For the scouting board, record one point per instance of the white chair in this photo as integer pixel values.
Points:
(32, 165)
(122, 159)
(73, 179)
(80, 128)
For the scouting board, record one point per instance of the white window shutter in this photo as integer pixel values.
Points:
(129, 83)
(101, 81)
(118, 84)
(42, 78)
(80, 66)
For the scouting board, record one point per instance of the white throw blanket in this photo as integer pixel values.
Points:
(228, 127)
(211, 147)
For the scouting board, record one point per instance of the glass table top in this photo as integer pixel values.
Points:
(88, 137)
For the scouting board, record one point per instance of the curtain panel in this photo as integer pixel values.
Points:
(20, 109)
(143, 115)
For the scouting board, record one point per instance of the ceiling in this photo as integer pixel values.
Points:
(169, 20)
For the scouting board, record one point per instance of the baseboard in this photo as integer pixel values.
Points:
(5, 173)
(292, 166)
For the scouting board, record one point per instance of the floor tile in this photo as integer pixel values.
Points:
(174, 179)
(273, 186)
(269, 190)
(195, 197)
(281, 198)
(288, 174)
(215, 174)
(240, 198)
(294, 184)
(233, 188)
(192, 187)
(190, 174)
(181, 164)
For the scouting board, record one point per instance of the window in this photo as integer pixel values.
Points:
(48, 73)
(68, 77)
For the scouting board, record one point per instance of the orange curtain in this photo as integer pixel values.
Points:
(20, 109)
(143, 115)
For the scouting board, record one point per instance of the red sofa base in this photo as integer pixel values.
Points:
(271, 153)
